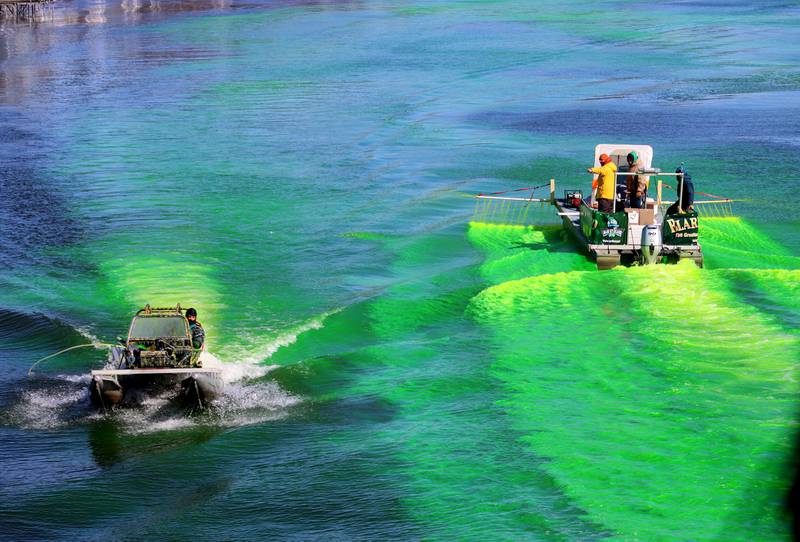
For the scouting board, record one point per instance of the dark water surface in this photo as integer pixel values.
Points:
(298, 171)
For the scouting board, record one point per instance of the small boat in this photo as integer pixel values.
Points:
(627, 236)
(158, 355)
(630, 235)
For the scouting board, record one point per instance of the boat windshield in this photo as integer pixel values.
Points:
(154, 327)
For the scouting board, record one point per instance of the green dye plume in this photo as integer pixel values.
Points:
(661, 400)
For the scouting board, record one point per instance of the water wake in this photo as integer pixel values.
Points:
(246, 360)
(56, 401)
(651, 387)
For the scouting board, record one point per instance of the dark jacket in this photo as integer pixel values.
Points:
(198, 334)
(685, 195)
(688, 191)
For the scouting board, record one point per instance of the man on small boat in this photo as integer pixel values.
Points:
(606, 178)
(685, 193)
(636, 184)
(196, 328)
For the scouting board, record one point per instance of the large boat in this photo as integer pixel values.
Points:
(158, 355)
(654, 233)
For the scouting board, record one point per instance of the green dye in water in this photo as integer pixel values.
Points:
(662, 401)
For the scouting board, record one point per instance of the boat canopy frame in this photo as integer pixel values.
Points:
(159, 312)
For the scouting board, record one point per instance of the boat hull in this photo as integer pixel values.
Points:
(105, 392)
(640, 243)
(197, 387)
(201, 389)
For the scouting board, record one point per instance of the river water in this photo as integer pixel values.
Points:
(299, 172)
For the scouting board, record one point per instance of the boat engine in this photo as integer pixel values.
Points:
(165, 352)
(651, 244)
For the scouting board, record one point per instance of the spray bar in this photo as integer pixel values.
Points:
(665, 202)
(646, 173)
(480, 196)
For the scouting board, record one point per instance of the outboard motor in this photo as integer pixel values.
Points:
(651, 244)
(117, 356)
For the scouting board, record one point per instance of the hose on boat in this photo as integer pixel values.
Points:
(96, 345)
(515, 190)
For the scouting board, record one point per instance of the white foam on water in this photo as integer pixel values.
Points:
(251, 403)
(49, 399)
(244, 400)
(265, 351)
(240, 404)
(170, 424)
(234, 372)
(136, 422)
(263, 395)
(247, 362)
(85, 332)
(48, 408)
(152, 413)
(76, 379)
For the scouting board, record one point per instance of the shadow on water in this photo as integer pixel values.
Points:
(532, 246)
(745, 287)
(34, 331)
(110, 443)
(34, 213)
(556, 241)
(321, 378)
(792, 503)
(663, 122)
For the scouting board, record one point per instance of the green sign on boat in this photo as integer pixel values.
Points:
(604, 228)
(680, 229)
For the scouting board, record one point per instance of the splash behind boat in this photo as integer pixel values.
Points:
(157, 356)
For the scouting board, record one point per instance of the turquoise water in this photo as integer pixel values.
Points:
(300, 173)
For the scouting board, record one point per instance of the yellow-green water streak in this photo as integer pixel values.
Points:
(663, 402)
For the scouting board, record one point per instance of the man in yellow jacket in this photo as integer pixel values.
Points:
(606, 179)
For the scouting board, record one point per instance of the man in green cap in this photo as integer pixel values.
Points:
(637, 184)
